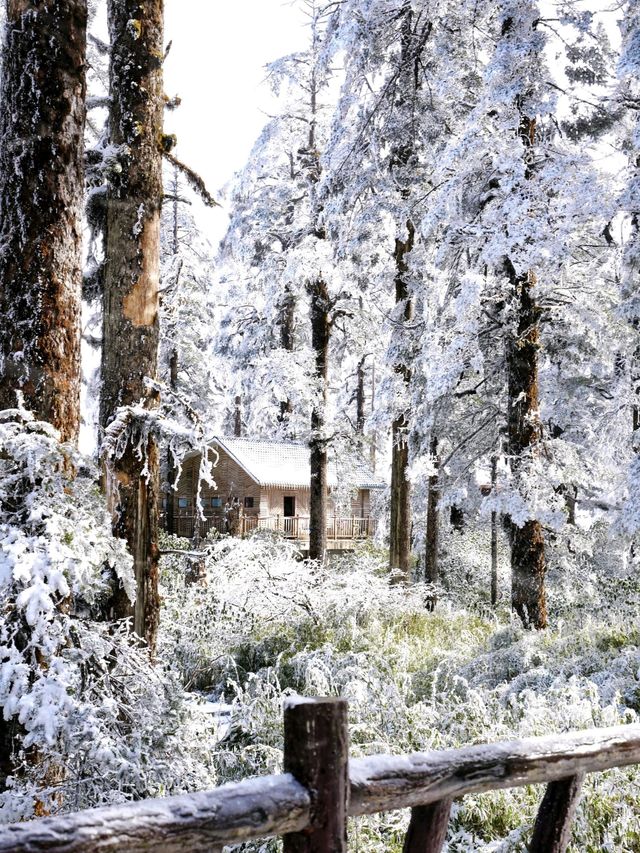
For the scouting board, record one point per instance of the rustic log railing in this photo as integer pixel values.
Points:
(291, 527)
(309, 804)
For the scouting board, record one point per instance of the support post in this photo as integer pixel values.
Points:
(316, 753)
(428, 827)
(552, 830)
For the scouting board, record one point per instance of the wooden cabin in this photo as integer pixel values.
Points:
(264, 485)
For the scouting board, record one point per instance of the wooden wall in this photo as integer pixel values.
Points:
(232, 481)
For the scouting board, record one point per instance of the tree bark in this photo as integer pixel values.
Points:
(433, 500)
(320, 335)
(237, 417)
(130, 348)
(413, 37)
(400, 526)
(41, 194)
(360, 397)
(494, 534)
(528, 565)
(287, 328)
(524, 433)
(170, 511)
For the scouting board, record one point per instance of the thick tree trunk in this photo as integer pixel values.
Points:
(400, 526)
(41, 192)
(433, 500)
(42, 117)
(524, 433)
(131, 286)
(320, 335)
(528, 564)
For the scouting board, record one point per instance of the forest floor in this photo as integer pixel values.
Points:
(268, 625)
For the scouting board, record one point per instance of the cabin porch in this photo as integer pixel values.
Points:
(340, 529)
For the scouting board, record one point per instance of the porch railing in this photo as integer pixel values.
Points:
(310, 802)
(291, 527)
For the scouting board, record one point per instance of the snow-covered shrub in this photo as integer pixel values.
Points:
(269, 625)
(85, 717)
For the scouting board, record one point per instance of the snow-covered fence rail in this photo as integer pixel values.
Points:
(309, 804)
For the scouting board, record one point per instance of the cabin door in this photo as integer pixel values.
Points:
(290, 522)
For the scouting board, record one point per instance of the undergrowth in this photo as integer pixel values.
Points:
(269, 625)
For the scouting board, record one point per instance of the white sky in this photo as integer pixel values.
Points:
(216, 65)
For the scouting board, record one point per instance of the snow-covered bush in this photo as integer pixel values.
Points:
(85, 717)
(268, 625)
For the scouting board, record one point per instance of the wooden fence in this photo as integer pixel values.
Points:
(310, 802)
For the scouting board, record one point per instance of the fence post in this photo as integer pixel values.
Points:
(552, 830)
(428, 827)
(316, 753)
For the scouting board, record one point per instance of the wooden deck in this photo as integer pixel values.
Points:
(341, 530)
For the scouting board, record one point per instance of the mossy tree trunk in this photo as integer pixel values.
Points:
(42, 121)
(130, 348)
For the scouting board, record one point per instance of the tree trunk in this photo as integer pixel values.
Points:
(360, 398)
(172, 472)
(524, 433)
(41, 193)
(433, 499)
(494, 534)
(528, 564)
(400, 526)
(287, 327)
(320, 335)
(237, 417)
(42, 117)
(130, 345)
(374, 437)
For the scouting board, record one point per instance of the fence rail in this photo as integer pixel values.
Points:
(291, 527)
(309, 804)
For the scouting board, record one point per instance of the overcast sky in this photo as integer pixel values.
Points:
(216, 65)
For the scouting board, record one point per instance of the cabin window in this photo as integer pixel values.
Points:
(289, 506)
(216, 502)
(248, 503)
(183, 503)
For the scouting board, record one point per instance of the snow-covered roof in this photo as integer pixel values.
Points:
(286, 464)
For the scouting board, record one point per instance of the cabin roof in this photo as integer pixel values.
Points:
(285, 464)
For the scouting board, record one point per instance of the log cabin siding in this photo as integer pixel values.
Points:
(232, 481)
